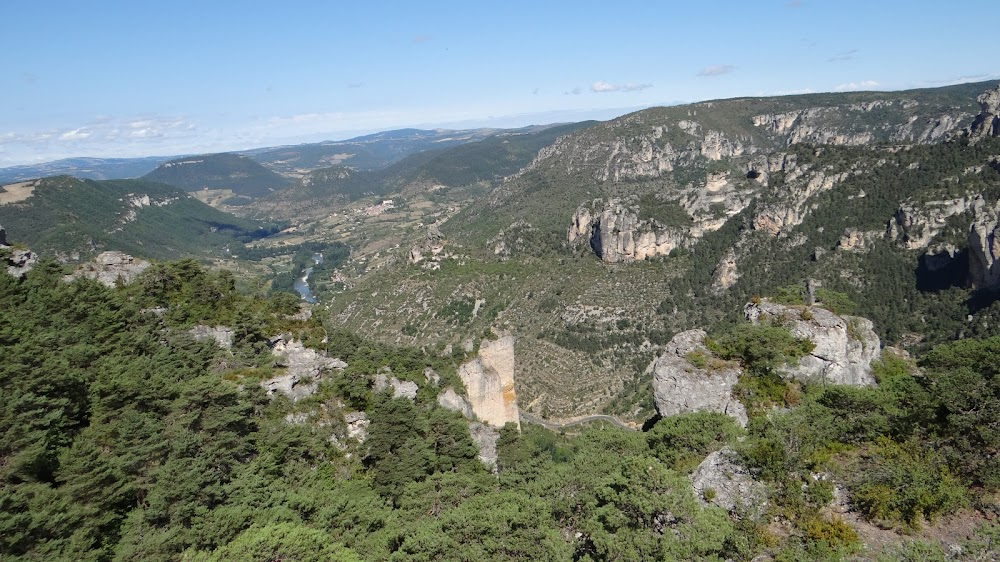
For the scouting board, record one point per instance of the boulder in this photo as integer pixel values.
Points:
(304, 367)
(845, 346)
(400, 389)
(485, 438)
(722, 481)
(451, 400)
(108, 268)
(681, 386)
(221, 335)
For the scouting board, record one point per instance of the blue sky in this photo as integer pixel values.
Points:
(122, 79)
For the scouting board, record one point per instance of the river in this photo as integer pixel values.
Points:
(302, 285)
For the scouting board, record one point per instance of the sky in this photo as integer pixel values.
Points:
(141, 78)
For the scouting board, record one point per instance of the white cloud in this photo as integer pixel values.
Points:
(851, 86)
(601, 87)
(75, 135)
(717, 70)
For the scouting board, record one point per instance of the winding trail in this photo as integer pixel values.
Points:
(556, 426)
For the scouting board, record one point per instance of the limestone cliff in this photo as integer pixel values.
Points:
(987, 123)
(914, 224)
(984, 244)
(489, 383)
(687, 379)
(845, 348)
(616, 233)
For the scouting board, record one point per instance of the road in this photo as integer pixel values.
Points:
(556, 426)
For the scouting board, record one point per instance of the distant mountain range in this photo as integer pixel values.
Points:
(85, 168)
(369, 152)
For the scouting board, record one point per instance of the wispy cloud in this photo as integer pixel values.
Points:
(574, 92)
(355, 85)
(959, 79)
(422, 38)
(844, 56)
(793, 4)
(717, 70)
(601, 87)
(75, 135)
(851, 86)
(29, 77)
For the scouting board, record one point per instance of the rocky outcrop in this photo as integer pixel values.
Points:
(221, 335)
(111, 268)
(431, 247)
(304, 367)
(687, 379)
(801, 184)
(485, 438)
(489, 383)
(914, 225)
(357, 425)
(845, 346)
(400, 389)
(987, 123)
(984, 245)
(18, 262)
(854, 240)
(451, 400)
(722, 481)
(726, 274)
(616, 234)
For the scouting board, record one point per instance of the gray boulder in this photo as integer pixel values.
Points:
(722, 481)
(845, 348)
(451, 400)
(681, 386)
(400, 389)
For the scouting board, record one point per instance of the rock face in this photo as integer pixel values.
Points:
(914, 226)
(451, 400)
(303, 369)
(400, 389)
(357, 425)
(616, 234)
(432, 245)
(679, 386)
(110, 267)
(720, 480)
(222, 335)
(984, 245)
(845, 348)
(485, 437)
(987, 123)
(726, 274)
(489, 383)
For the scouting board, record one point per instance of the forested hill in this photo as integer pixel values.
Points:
(219, 171)
(65, 216)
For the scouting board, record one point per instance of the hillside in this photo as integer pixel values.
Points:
(475, 164)
(68, 216)
(619, 235)
(238, 174)
(369, 152)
